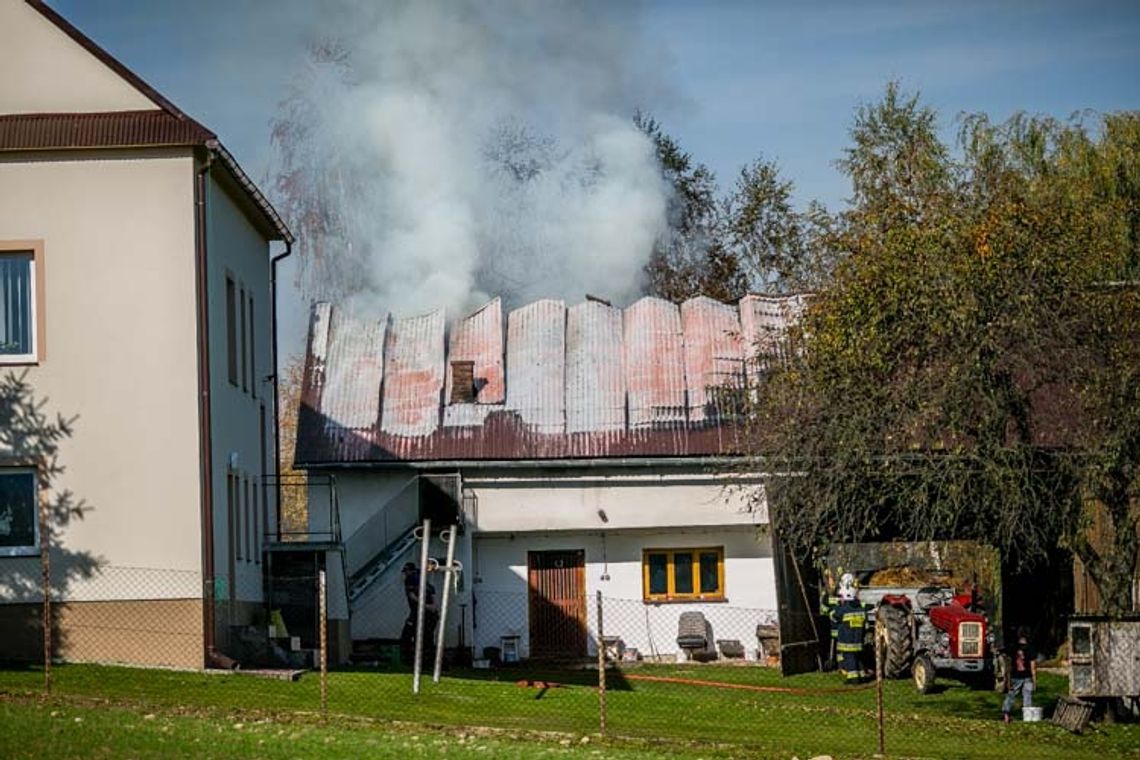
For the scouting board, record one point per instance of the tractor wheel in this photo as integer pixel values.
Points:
(923, 673)
(892, 629)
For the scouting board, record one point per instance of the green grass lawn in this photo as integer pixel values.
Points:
(821, 716)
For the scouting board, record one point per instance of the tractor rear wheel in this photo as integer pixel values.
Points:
(892, 629)
(923, 672)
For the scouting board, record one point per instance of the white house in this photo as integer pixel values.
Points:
(135, 292)
(581, 450)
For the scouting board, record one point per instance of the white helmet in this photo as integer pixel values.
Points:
(847, 588)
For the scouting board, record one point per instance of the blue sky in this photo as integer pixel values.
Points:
(741, 79)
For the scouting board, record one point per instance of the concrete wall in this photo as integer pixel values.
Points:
(46, 71)
(118, 241)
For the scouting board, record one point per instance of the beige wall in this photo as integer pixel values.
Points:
(118, 241)
(46, 71)
(236, 249)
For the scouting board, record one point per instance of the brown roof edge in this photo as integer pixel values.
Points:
(102, 129)
(109, 60)
(251, 189)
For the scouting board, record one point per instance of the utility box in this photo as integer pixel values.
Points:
(1104, 656)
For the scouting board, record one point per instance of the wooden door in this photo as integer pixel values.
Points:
(557, 581)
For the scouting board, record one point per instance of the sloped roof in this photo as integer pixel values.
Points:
(165, 126)
(589, 381)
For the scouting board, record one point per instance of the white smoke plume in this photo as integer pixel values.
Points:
(440, 152)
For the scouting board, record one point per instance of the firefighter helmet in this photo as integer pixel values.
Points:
(847, 588)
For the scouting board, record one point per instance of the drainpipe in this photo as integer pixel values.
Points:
(205, 448)
(276, 385)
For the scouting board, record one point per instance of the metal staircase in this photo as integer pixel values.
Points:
(379, 565)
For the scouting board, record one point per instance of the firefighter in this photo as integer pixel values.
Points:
(850, 619)
(828, 601)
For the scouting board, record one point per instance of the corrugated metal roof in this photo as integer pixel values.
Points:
(536, 365)
(595, 376)
(713, 354)
(654, 365)
(590, 381)
(764, 322)
(413, 376)
(354, 368)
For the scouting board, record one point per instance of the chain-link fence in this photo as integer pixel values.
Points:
(706, 672)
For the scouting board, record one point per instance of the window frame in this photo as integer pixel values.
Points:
(231, 330)
(671, 595)
(33, 549)
(34, 248)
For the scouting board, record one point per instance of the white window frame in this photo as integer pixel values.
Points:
(35, 250)
(34, 549)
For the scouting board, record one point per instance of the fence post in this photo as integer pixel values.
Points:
(879, 654)
(322, 605)
(601, 671)
(45, 571)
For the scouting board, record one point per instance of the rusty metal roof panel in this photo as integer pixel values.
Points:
(764, 323)
(536, 365)
(413, 375)
(588, 382)
(350, 403)
(478, 338)
(713, 353)
(595, 381)
(654, 363)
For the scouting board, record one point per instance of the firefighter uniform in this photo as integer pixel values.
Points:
(827, 604)
(850, 618)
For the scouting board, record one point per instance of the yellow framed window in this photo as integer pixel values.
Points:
(683, 574)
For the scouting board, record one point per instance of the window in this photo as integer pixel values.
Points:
(21, 300)
(252, 352)
(682, 574)
(256, 533)
(231, 330)
(19, 521)
(248, 523)
(244, 345)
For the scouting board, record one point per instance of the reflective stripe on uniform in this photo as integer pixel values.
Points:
(849, 647)
(855, 619)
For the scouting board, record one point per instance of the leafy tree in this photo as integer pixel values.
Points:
(969, 371)
(725, 245)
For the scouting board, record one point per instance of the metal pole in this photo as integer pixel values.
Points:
(45, 571)
(425, 540)
(448, 579)
(879, 691)
(322, 604)
(601, 671)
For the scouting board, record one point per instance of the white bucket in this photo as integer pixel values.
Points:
(1031, 714)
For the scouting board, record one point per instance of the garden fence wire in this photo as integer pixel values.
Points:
(597, 666)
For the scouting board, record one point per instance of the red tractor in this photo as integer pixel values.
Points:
(930, 630)
(923, 624)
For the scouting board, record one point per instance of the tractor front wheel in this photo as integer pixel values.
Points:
(892, 629)
(923, 673)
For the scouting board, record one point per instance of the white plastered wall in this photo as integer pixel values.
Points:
(644, 508)
(613, 567)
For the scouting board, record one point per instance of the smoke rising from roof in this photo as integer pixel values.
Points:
(438, 152)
